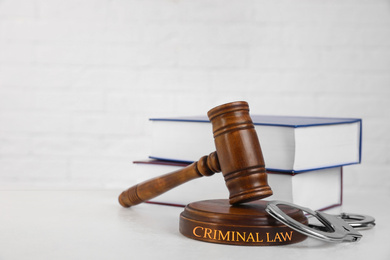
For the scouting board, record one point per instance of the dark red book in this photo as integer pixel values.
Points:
(319, 189)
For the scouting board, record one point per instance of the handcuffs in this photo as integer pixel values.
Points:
(336, 228)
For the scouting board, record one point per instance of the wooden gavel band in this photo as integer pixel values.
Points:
(206, 166)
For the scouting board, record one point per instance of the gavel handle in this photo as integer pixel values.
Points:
(206, 166)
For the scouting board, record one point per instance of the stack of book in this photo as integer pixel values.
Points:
(304, 157)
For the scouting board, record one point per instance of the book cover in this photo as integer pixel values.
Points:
(289, 143)
(319, 189)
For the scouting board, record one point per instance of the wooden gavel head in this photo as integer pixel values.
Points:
(239, 152)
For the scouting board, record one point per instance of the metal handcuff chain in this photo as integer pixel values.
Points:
(336, 228)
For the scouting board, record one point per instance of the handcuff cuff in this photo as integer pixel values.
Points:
(336, 228)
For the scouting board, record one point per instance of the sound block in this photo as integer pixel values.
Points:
(248, 224)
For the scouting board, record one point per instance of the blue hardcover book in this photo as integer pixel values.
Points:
(289, 143)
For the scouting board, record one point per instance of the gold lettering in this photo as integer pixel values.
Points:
(220, 234)
(216, 234)
(194, 231)
(268, 238)
(242, 237)
(287, 236)
(250, 237)
(207, 232)
(257, 238)
(277, 237)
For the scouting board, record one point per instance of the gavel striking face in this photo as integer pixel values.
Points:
(238, 155)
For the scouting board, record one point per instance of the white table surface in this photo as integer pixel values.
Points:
(90, 224)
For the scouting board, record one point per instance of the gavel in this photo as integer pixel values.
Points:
(238, 155)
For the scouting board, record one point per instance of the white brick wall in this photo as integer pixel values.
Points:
(79, 79)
